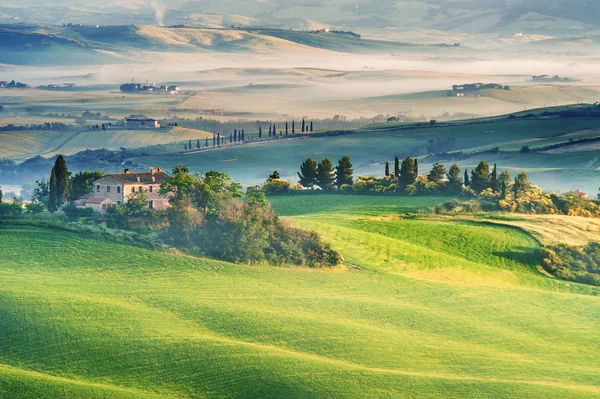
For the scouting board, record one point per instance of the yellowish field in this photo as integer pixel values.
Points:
(24, 144)
(551, 229)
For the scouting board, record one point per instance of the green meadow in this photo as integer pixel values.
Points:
(421, 308)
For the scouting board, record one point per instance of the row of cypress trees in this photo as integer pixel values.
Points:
(324, 175)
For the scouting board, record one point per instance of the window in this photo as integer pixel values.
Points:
(133, 189)
(151, 204)
(98, 188)
(103, 207)
(118, 202)
(150, 188)
(118, 189)
(108, 189)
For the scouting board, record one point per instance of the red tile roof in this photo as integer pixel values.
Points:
(144, 177)
(95, 200)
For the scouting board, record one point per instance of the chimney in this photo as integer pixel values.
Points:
(138, 179)
(152, 170)
(126, 171)
(159, 170)
(153, 179)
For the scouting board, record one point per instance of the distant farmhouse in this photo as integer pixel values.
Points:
(149, 88)
(469, 88)
(114, 189)
(13, 85)
(142, 123)
(214, 112)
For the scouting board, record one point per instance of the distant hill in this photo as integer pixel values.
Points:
(554, 17)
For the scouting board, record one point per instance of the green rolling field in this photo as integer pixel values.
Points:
(421, 309)
(370, 149)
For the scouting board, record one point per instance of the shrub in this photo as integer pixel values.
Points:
(276, 186)
(35, 208)
(73, 211)
(572, 263)
(10, 210)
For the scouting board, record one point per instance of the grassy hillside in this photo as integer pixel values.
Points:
(423, 309)
(370, 150)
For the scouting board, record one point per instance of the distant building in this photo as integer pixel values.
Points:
(142, 123)
(215, 112)
(579, 193)
(115, 189)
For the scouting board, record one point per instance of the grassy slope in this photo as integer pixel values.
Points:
(370, 150)
(426, 310)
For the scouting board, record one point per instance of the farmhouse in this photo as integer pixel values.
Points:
(115, 189)
(142, 123)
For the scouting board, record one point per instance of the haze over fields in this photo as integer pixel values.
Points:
(299, 199)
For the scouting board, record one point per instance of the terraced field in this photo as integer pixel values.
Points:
(421, 309)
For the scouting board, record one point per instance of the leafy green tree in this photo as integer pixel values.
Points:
(505, 178)
(325, 174)
(178, 187)
(480, 177)
(83, 183)
(396, 167)
(41, 193)
(408, 172)
(455, 182)
(344, 172)
(387, 169)
(308, 173)
(136, 203)
(437, 174)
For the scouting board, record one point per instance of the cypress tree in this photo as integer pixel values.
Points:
(311, 127)
(52, 203)
(308, 173)
(387, 169)
(1, 195)
(219, 139)
(190, 144)
(325, 174)
(274, 130)
(206, 144)
(60, 184)
(270, 129)
(293, 127)
(343, 172)
(260, 132)
(235, 136)
(286, 128)
(243, 136)
(214, 140)
(396, 167)
(516, 188)
(467, 182)
(416, 168)
(230, 138)
(303, 125)
(198, 144)
(503, 189)
(185, 147)
(494, 178)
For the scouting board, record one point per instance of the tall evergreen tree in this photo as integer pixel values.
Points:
(185, 147)
(505, 178)
(274, 130)
(494, 183)
(190, 144)
(286, 128)
(235, 136)
(1, 194)
(260, 132)
(198, 144)
(230, 138)
(293, 127)
(480, 177)
(408, 174)
(243, 136)
(214, 140)
(396, 167)
(61, 184)
(308, 173)
(303, 125)
(311, 126)
(467, 181)
(455, 182)
(325, 174)
(344, 172)
(206, 144)
(387, 169)
(52, 201)
(437, 174)
(219, 139)
(270, 130)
